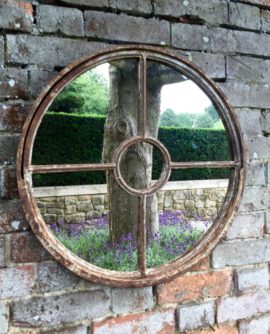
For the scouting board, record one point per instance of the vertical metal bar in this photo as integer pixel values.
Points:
(142, 97)
(141, 235)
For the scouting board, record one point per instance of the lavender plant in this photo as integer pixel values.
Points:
(90, 240)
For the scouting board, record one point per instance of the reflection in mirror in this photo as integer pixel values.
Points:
(79, 218)
(192, 130)
(138, 173)
(84, 124)
(88, 211)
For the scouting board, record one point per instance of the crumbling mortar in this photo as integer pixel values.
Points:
(5, 50)
(236, 28)
(261, 23)
(251, 4)
(35, 11)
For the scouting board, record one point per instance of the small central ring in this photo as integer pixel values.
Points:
(165, 174)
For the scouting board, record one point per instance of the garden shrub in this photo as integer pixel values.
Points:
(73, 138)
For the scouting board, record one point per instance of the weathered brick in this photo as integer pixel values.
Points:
(247, 95)
(194, 287)
(24, 247)
(137, 6)
(196, 316)
(68, 21)
(126, 28)
(212, 12)
(255, 278)
(254, 198)
(11, 216)
(236, 308)
(2, 50)
(13, 83)
(260, 325)
(249, 225)
(248, 252)
(159, 321)
(8, 148)
(249, 120)
(2, 252)
(265, 18)
(256, 173)
(191, 37)
(38, 79)
(248, 69)
(4, 318)
(70, 330)
(217, 330)
(16, 15)
(66, 308)
(47, 51)
(244, 16)
(264, 3)
(233, 41)
(202, 265)
(17, 281)
(213, 65)
(9, 184)
(12, 115)
(258, 147)
(265, 121)
(267, 221)
(132, 300)
(54, 277)
(92, 3)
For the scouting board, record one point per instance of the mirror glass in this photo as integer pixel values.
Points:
(87, 210)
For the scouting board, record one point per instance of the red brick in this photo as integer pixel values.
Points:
(217, 330)
(17, 281)
(25, 247)
(26, 7)
(156, 322)
(202, 265)
(195, 286)
(16, 15)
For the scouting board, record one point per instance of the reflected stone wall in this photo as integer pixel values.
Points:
(73, 204)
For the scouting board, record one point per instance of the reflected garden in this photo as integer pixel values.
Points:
(87, 122)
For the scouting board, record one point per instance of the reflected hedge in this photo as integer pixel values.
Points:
(70, 138)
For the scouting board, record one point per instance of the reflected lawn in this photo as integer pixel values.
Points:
(90, 241)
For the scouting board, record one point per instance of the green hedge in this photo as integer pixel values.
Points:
(69, 138)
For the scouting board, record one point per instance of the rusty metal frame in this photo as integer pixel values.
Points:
(144, 276)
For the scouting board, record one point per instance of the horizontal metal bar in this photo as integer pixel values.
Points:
(205, 164)
(44, 169)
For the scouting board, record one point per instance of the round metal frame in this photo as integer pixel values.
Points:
(144, 276)
(165, 174)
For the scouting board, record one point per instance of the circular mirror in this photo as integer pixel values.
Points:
(130, 166)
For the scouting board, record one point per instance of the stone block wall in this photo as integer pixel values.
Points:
(76, 204)
(228, 292)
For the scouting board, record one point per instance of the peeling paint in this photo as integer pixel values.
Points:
(15, 224)
(205, 39)
(11, 82)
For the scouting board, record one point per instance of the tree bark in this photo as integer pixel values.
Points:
(136, 165)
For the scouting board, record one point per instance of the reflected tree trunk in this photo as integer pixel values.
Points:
(136, 166)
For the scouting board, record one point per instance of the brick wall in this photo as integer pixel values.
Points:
(227, 292)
